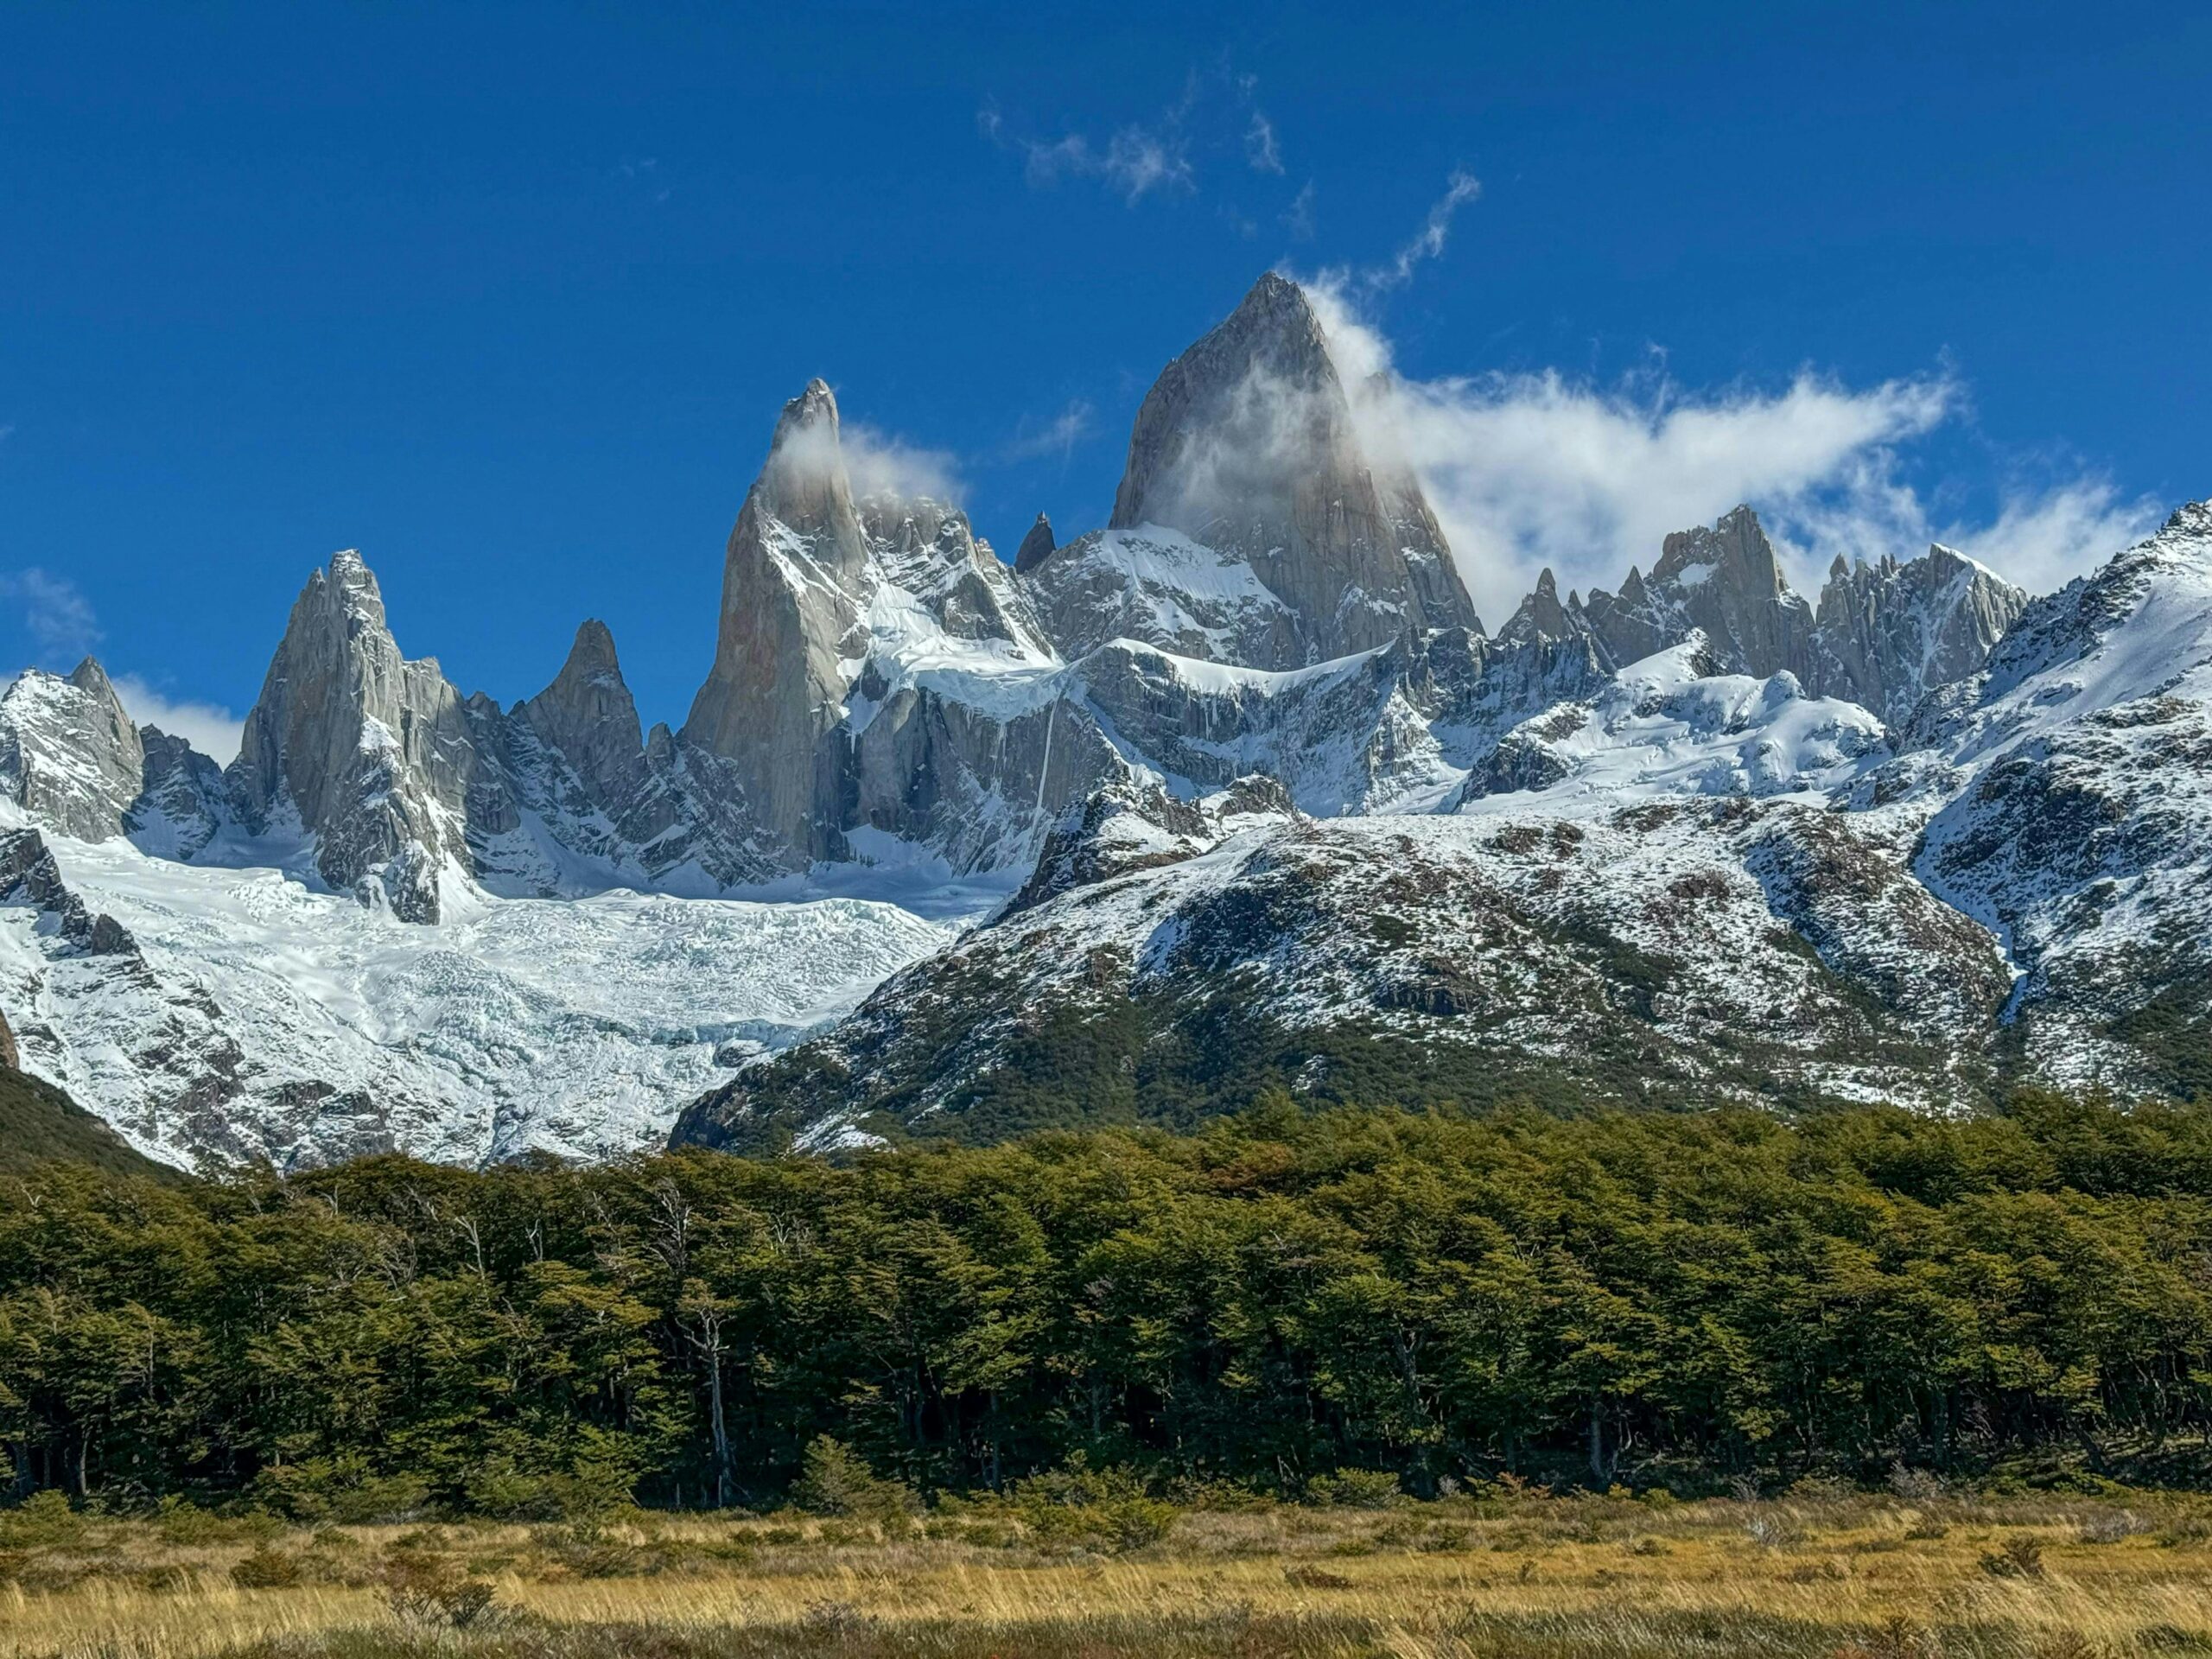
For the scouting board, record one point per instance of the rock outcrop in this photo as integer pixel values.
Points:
(69, 755)
(356, 746)
(1889, 633)
(1036, 547)
(1883, 635)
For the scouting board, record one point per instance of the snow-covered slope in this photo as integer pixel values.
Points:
(248, 1016)
(2079, 820)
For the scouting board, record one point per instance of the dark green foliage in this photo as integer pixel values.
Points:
(39, 1123)
(1279, 1302)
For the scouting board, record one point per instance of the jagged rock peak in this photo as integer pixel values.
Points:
(363, 749)
(1248, 446)
(1036, 547)
(804, 483)
(1541, 616)
(89, 676)
(592, 654)
(1243, 373)
(1736, 546)
(69, 754)
(589, 715)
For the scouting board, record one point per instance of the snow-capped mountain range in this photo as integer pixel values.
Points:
(1234, 791)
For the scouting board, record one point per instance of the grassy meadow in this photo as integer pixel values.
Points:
(1840, 1575)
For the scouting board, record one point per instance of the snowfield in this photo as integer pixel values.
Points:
(310, 1024)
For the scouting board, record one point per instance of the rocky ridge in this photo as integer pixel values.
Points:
(1241, 774)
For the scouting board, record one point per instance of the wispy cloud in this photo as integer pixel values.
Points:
(1135, 160)
(1536, 469)
(1261, 150)
(58, 617)
(209, 727)
(1057, 437)
(1134, 163)
(1297, 218)
(1427, 241)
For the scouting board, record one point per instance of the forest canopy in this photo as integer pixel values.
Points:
(1679, 1300)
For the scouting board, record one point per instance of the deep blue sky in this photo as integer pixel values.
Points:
(509, 297)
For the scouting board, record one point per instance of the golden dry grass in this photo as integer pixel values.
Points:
(1863, 1578)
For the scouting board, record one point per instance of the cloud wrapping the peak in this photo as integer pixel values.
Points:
(1528, 470)
(879, 463)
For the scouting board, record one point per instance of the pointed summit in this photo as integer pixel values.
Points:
(1248, 446)
(1542, 617)
(792, 579)
(588, 715)
(69, 754)
(355, 745)
(1036, 547)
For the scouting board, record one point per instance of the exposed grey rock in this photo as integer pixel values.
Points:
(1883, 635)
(1888, 632)
(793, 586)
(352, 744)
(1725, 581)
(182, 806)
(1246, 446)
(69, 754)
(588, 715)
(29, 875)
(1036, 547)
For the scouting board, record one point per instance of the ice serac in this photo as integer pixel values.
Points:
(69, 755)
(792, 578)
(350, 743)
(1283, 545)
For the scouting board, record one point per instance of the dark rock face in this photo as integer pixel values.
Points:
(1036, 547)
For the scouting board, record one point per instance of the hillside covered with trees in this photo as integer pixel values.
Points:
(1683, 1301)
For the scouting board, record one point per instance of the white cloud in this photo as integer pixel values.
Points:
(1529, 470)
(1135, 161)
(1297, 218)
(2042, 538)
(57, 615)
(209, 727)
(879, 463)
(1057, 437)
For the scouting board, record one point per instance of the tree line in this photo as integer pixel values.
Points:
(1687, 1299)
